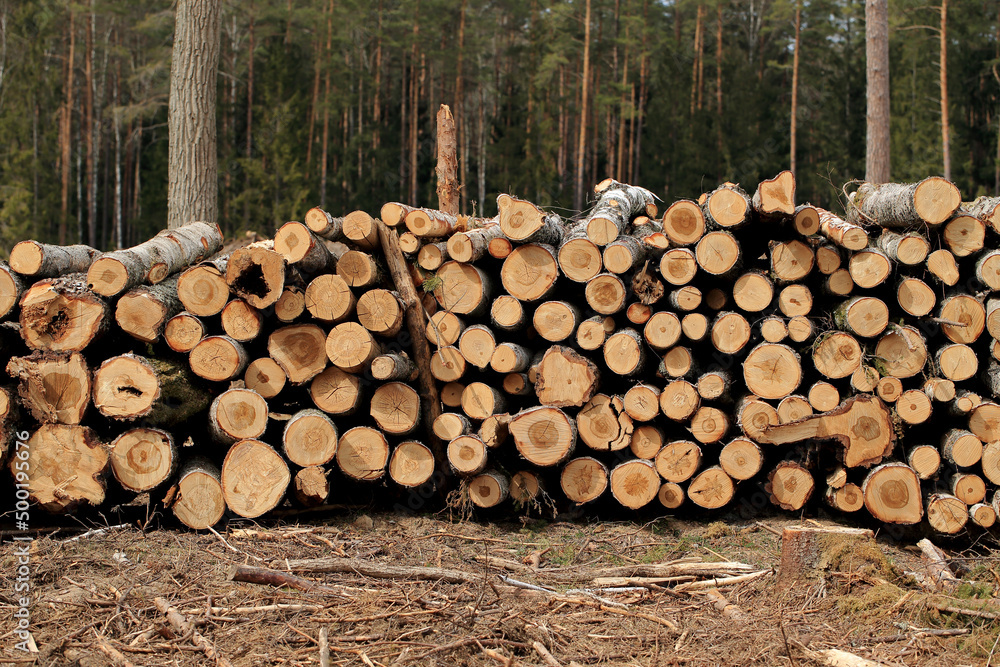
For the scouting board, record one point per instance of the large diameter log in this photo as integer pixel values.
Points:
(300, 247)
(55, 387)
(199, 502)
(463, 289)
(684, 223)
(772, 370)
(634, 483)
(144, 311)
(62, 314)
(565, 378)
(300, 350)
(237, 414)
(489, 489)
(143, 458)
(11, 289)
(325, 225)
(395, 407)
(203, 288)
(412, 464)
(583, 480)
(679, 400)
(615, 208)
(896, 205)
(311, 486)
(309, 438)
(789, 485)
(218, 358)
(727, 206)
(168, 252)
(862, 424)
(604, 425)
(984, 421)
(841, 232)
(265, 377)
(902, 352)
(711, 489)
(363, 453)
(351, 347)
(41, 260)
(529, 273)
(329, 298)
(66, 467)
(335, 392)
(544, 436)
(956, 362)
(892, 494)
(678, 461)
(254, 478)
(256, 273)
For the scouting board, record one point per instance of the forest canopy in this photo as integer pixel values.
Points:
(332, 102)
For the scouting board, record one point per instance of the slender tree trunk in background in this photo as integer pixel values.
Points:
(996, 167)
(581, 146)
(377, 96)
(404, 121)
(561, 150)
(137, 178)
(326, 106)
(696, 63)
(620, 158)
(640, 111)
(314, 107)
(945, 128)
(414, 108)
(116, 119)
(460, 107)
(481, 171)
(192, 163)
(65, 133)
(718, 87)
(249, 128)
(702, 17)
(877, 154)
(87, 129)
(795, 82)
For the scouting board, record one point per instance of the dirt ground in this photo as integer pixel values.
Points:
(95, 598)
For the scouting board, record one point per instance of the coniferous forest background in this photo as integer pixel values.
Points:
(332, 102)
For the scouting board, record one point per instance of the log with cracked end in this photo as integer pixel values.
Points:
(862, 424)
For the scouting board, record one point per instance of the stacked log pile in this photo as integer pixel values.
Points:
(736, 344)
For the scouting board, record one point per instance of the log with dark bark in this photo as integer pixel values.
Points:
(143, 311)
(158, 390)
